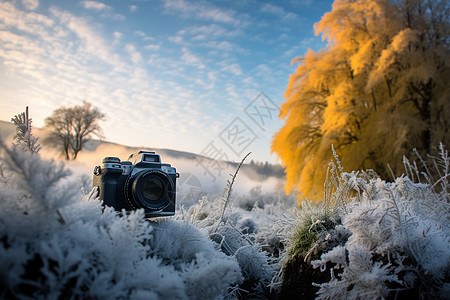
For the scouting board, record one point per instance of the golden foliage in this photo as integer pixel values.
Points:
(376, 91)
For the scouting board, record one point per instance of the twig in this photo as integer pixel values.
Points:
(227, 191)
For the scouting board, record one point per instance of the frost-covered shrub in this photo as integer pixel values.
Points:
(400, 240)
(57, 243)
(24, 138)
(317, 226)
(312, 233)
(316, 231)
(275, 200)
(253, 234)
(235, 234)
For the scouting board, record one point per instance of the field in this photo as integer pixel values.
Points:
(241, 240)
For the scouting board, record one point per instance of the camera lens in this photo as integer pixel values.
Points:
(152, 189)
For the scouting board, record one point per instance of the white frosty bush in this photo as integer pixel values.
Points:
(400, 240)
(235, 234)
(24, 138)
(57, 243)
(251, 229)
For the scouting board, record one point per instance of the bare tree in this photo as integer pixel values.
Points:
(72, 127)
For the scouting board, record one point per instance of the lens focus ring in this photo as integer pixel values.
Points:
(150, 189)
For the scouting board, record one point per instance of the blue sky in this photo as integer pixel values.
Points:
(179, 74)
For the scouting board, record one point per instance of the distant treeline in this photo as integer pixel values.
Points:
(262, 170)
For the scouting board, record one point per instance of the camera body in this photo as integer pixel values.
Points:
(140, 182)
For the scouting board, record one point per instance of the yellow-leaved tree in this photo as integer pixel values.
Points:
(378, 90)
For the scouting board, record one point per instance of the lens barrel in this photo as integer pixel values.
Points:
(151, 190)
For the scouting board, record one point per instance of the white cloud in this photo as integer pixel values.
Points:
(105, 9)
(191, 59)
(95, 5)
(114, 16)
(209, 32)
(235, 69)
(30, 4)
(30, 22)
(223, 45)
(201, 10)
(210, 36)
(133, 8)
(263, 69)
(278, 11)
(117, 35)
(212, 78)
(176, 39)
(136, 57)
(143, 35)
(91, 41)
(234, 95)
(153, 46)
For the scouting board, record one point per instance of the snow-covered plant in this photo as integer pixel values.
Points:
(315, 231)
(254, 238)
(234, 234)
(400, 240)
(316, 223)
(339, 190)
(272, 201)
(436, 175)
(226, 197)
(24, 138)
(312, 221)
(56, 243)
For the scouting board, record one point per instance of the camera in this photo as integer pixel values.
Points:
(140, 182)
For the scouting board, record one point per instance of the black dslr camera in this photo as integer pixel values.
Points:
(141, 182)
